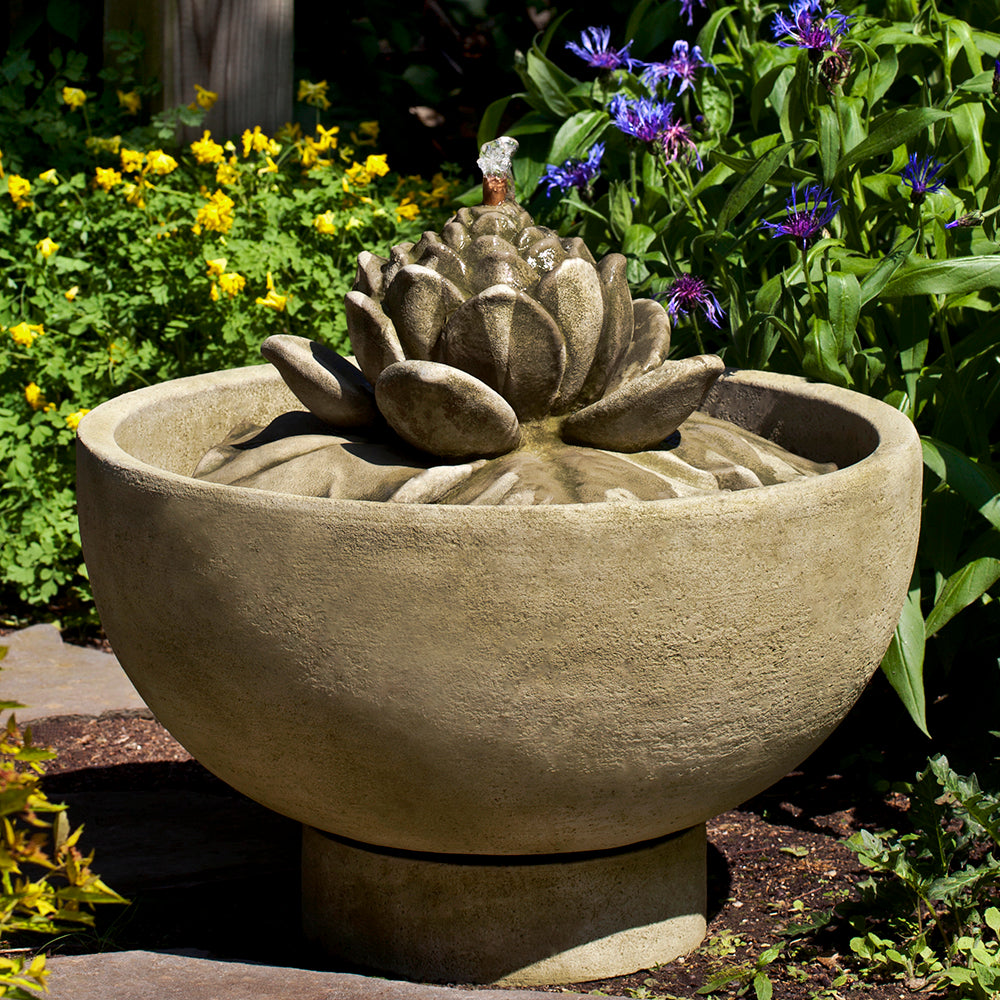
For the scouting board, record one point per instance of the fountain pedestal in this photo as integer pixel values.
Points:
(518, 921)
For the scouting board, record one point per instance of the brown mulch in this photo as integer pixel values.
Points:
(770, 861)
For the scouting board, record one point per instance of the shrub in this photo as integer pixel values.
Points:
(46, 883)
(810, 192)
(150, 265)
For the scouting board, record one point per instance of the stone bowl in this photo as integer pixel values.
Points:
(494, 680)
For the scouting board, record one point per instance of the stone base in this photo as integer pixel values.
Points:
(518, 921)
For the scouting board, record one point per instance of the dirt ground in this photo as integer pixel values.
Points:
(773, 859)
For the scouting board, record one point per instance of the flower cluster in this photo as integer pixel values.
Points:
(595, 49)
(575, 174)
(921, 175)
(654, 123)
(688, 293)
(809, 27)
(682, 67)
(216, 215)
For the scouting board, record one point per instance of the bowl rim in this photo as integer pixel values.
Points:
(97, 435)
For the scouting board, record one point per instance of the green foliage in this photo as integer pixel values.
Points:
(928, 913)
(890, 291)
(46, 883)
(148, 266)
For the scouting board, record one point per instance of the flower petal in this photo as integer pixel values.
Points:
(650, 342)
(575, 247)
(369, 274)
(445, 411)
(373, 337)
(328, 385)
(571, 294)
(526, 367)
(616, 333)
(643, 412)
(419, 302)
(494, 261)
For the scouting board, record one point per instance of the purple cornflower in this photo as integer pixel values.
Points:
(678, 144)
(807, 222)
(653, 122)
(577, 174)
(810, 28)
(965, 221)
(595, 49)
(644, 118)
(920, 174)
(682, 65)
(687, 7)
(996, 77)
(688, 293)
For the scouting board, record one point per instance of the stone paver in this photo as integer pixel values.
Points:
(51, 677)
(146, 975)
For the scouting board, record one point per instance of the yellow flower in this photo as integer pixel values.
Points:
(271, 168)
(272, 300)
(216, 266)
(353, 222)
(205, 98)
(19, 188)
(324, 223)
(309, 154)
(407, 209)
(73, 419)
(132, 160)
(213, 292)
(46, 247)
(74, 97)
(49, 176)
(98, 145)
(368, 134)
(327, 137)
(24, 334)
(207, 151)
(227, 173)
(314, 93)
(160, 162)
(232, 283)
(440, 192)
(133, 194)
(290, 131)
(106, 178)
(36, 400)
(71, 293)
(377, 165)
(217, 214)
(258, 142)
(131, 101)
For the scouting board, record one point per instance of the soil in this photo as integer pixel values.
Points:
(775, 858)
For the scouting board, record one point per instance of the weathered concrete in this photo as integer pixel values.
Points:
(51, 677)
(471, 919)
(145, 975)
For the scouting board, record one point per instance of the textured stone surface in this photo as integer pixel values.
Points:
(455, 667)
(51, 677)
(146, 975)
(518, 921)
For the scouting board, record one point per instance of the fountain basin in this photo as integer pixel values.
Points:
(496, 681)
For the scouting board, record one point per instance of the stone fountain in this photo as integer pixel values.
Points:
(510, 608)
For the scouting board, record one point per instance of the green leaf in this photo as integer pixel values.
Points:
(762, 986)
(894, 130)
(976, 483)
(963, 587)
(877, 278)
(844, 303)
(921, 276)
(822, 357)
(621, 208)
(750, 184)
(577, 134)
(706, 37)
(829, 142)
(549, 84)
(903, 663)
(492, 118)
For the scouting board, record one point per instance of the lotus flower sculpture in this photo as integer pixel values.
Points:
(496, 336)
